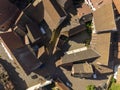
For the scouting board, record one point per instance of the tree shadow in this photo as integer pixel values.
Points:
(71, 10)
(80, 37)
(14, 76)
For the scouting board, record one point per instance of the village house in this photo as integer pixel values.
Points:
(106, 22)
(25, 26)
(102, 37)
(17, 49)
(27, 44)
(84, 70)
(98, 53)
(35, 11)
(72, 25)
(84, 13)
(104, 50)
(52, 8)
(8, 14)
(77, 53)
(22, 58)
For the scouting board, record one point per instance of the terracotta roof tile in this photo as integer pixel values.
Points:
(101, 43)
(104, 19)
(117, 5)
(84, 10)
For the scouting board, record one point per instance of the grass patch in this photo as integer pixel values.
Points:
(90, 87)
(87, 42)
(115, 86)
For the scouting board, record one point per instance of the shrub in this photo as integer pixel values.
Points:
(91, 87)
(89, 27)
(113, 80)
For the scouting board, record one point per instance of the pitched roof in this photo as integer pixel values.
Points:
(84, 10)
(79, 54)
(82, 68)
(74, 22)
(117, 5)
(104, 19)
(99, 3)
(27, 59)
(8, 14)
(12, 40)
(35, 12)
(101, 43)
(34, 33)
(25, 26)
(101, 69)
(73, 31)
(20, 53)
(53, 13)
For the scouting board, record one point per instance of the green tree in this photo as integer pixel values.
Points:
(91, 87)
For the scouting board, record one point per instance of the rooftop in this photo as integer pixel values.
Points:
(99, 3)
(101, 43)
(82, 68)
(83, 10)
(104, 19)
(80, 54)
(35, 11)
(19, 52)
(52, 8)
(73, 30)
(33, 32)
(26, 26)
(116, 3)
(27, 59)
(101, 69)
(12, 40)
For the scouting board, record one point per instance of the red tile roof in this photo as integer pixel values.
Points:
(104, 19)
(54, 15)
(99, 3)
(117, 5)
(84, 10)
